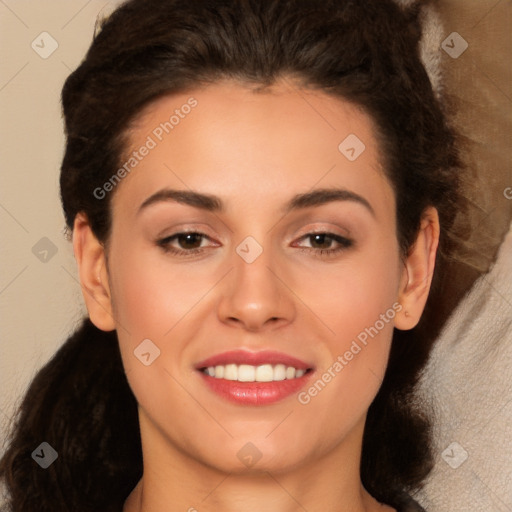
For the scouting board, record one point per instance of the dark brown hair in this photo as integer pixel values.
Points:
(363, 52)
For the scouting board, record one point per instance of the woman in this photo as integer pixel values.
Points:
(256, 192)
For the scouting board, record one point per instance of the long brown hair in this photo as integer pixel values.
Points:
(363, 52)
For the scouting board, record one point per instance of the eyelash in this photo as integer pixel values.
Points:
(344, 244)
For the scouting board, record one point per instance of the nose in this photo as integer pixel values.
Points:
(255, 295)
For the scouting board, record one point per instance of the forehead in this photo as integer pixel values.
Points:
(230, 140)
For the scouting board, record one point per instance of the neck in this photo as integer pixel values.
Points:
(175, 482)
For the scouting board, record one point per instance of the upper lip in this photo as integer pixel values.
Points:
(253, 358)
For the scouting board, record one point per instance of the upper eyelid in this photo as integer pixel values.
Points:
(341, 232)
(202, 230)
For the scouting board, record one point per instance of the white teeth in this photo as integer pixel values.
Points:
(290, 372)
(231, 372)
(279, 372)
(249, 373)
(246, 373)
(265, 373)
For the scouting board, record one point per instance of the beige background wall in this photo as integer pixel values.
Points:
(40, 299)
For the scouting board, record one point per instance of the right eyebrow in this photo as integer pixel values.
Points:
(197, 200)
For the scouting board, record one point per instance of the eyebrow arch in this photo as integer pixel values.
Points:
(197, 200)
(317, 197)
(321, 196)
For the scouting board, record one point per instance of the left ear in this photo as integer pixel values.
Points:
(418, 271)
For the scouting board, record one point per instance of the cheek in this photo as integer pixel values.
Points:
(150, 296)
(150, 301)
(357, 304)
(355, 363)
(352, 296)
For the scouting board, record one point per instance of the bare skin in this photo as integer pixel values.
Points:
(254, 151)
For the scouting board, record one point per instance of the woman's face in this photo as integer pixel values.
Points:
(254, 291)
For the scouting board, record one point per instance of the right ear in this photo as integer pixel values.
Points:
(92, 270)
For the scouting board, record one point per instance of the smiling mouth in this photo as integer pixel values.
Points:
(255, 378)
(250, 373)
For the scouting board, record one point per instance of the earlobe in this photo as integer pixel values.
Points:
(92, 269)
(418, 271)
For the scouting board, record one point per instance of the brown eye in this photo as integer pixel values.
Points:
(189, 240)
(321, 244)
(183, 244)
(321, 239)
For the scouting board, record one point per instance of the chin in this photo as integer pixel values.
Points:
(242, 456)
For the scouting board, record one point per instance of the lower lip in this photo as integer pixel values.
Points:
(255, 393)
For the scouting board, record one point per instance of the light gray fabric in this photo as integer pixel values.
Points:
(468, 380)
(430, 44)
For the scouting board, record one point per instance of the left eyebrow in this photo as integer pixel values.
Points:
(212, 203)
(323, 196)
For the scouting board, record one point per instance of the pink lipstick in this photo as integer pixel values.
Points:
(254, 378)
